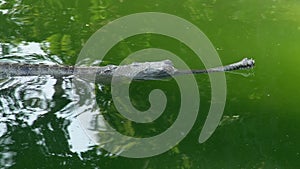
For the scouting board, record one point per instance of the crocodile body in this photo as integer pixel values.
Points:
(141, 71)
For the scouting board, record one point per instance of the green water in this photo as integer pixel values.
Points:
(261, 121)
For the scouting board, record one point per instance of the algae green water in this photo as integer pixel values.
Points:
(260, 125)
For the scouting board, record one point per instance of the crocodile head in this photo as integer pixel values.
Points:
(146, 70)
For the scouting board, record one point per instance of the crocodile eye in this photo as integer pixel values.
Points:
(107, 71)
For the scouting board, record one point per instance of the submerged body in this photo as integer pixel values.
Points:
(140, 71)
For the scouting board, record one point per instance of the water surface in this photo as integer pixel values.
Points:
(41, 117)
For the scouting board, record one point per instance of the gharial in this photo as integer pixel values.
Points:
(138, 71)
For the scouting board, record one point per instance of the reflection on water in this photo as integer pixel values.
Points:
(26, 101)
(23, 100)
(38, 106)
